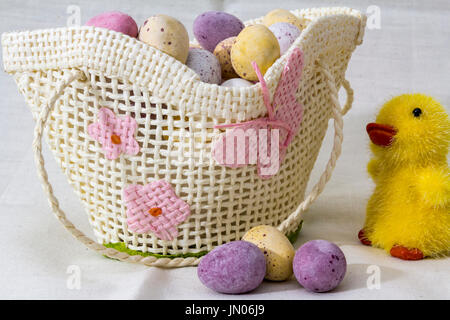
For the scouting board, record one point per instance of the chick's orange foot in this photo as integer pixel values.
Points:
(406, 254)
(362, 237)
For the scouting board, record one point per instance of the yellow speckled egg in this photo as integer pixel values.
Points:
(282, 15)
(254, 43)
(166, 34)
(277, 249)
(223, 54)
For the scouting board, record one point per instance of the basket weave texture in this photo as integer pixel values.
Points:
(175, 114)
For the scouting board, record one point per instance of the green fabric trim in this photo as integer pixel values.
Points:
(294, 234)
(120, 246)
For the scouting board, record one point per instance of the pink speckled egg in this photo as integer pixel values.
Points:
(116, 21)
(285, 33)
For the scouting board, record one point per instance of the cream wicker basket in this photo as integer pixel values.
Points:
(68, 74)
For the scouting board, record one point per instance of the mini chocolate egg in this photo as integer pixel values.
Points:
(254, 43)
(277, 249)
(223, 53)
(166, 34)
(282, 15)
(214, 26)
(205, 64)
(116, 21)
(319, 265)
(285, 33)
(234, 267)
(237, 82)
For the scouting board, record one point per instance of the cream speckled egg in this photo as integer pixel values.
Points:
(282, 15)
(195, 46)
(166, 34)
(223, 54)
(277, 249)
(254, 43)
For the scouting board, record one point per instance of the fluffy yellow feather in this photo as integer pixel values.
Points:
(408, 214)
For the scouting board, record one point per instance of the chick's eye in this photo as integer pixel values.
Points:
(417, 112)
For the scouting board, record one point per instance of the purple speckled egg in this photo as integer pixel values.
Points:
(234, 267)
(116, 21)
(205, 64)
(212, 27)
(285, 33)
(319, 265)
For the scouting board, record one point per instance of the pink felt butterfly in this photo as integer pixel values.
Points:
(264, 141)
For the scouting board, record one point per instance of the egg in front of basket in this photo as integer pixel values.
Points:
(277, 250)
(166, 34)
(235, 267)
(319, 265)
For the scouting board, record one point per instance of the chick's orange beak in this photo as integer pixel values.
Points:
(381, 134)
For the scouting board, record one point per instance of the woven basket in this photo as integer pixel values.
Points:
(68, 74)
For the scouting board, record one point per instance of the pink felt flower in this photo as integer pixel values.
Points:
(155, 207)
(116, 135)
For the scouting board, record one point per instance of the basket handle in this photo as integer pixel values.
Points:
(338, 112)
(71, 76)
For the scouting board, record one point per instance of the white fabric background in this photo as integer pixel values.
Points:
(409, 53)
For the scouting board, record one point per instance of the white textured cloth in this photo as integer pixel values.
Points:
(409, 53)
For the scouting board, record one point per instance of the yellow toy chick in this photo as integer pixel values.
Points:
(408, 214)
